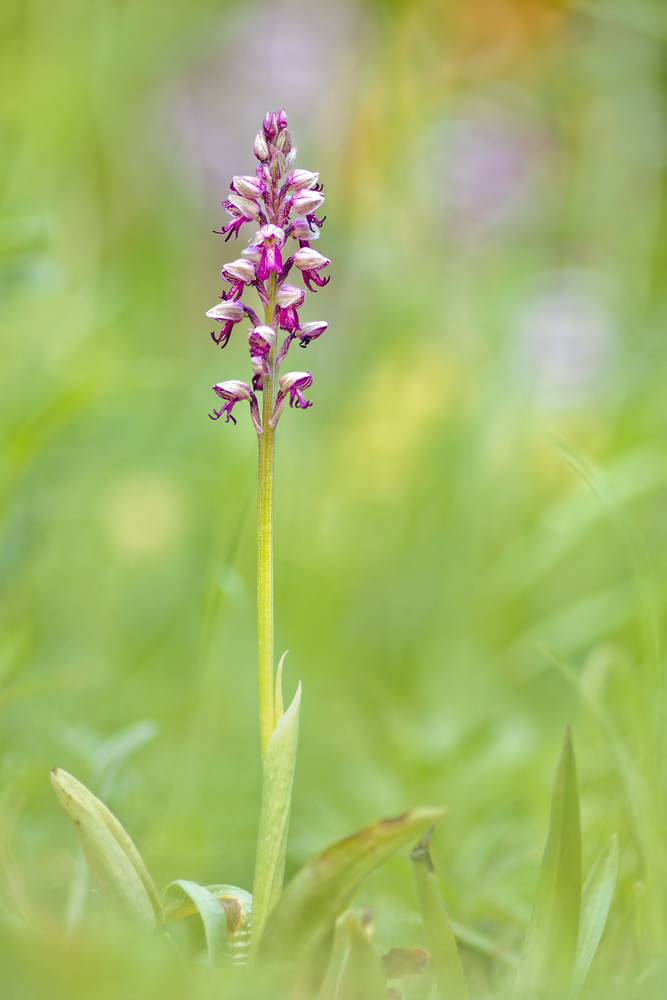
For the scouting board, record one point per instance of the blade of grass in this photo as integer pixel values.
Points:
(439, 935)
(596, 899)
(547, 962)
(327, 884)
(118, 869)
(208, 906)
(362, 976)
(277, 780)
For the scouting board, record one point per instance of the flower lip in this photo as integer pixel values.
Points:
(299, 179)
(226, 311)
(304, 202)
(307, 259)
(290, 295)
(241, 270)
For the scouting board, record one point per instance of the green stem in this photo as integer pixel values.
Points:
(265, 656)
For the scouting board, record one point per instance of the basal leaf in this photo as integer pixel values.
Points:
(327, 884)
(547, 962)
(595, 902)
(237, 904)
(439, 935)
(118, 869)
(362, 976)
(277, 780)
(210, 909)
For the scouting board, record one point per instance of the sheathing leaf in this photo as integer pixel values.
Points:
(362, 976)
(183, 897)
(596, 899)
(118, 869)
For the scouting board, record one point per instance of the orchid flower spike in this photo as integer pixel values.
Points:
(281, 200)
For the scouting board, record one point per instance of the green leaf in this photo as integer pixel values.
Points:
(237, 904)
(595, 902)
(327, 884)
(207, 905)
(277, 780)
(362, 976)
(439, 935)
(117, 866)
(547, 962)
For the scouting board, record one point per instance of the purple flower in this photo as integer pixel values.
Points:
(289, 298)
(311, 331)
(270, 240)
(309, 262)
(228, 313)
(233, 392)
(282, 200)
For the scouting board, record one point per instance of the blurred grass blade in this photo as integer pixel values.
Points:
(596, 899)
(117, 866)
(362, 976)
(277, 780)
(208, 906)
(278, 696)
(237, 904)
(439, 935)
(327, 884)
(547, 962)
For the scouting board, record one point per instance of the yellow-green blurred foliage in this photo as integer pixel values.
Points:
(477, 494)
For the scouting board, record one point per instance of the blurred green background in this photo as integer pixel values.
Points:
(471, 521)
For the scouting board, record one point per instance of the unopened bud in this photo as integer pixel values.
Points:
(307, 259)
(283, 142)
(304, 202)
(270, 125)
(261, 147)
(249, 187)
(281, 118)
(299, 179)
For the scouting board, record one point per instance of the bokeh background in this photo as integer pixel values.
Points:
(471, 521)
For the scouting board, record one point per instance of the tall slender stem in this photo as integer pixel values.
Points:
(265, 655)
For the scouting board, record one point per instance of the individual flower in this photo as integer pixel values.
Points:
(248, 186)
(311, 331)
(261, 340)
(269, 240)
(306, 202)
(233, 391)
(309, 262)
(302, 230)
(292, 385)
(239, 272)
(228, 313)
(289, 298)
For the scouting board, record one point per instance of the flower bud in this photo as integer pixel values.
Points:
(252, 253)
(270, 125)
(226, 310)
(248, 208)
(290, 158)
(304, 202)
(261, 147)
(239, 270)
(307, 259)
(283, 142)
(281, 118)
(290, 295)
(278, 166)
(302, 179)
(302, 230)
(249, 187)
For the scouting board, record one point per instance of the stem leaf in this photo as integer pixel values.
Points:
(362, 976)
(547, 962)
(439, 935)
(277, 780)
(118, 869)
(327, 884)
(596, 899)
